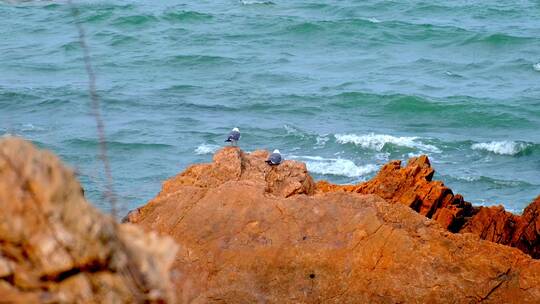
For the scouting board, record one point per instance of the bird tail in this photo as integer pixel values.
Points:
(228, 140)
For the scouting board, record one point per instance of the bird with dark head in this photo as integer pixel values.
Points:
(233, 137)
(274, 159)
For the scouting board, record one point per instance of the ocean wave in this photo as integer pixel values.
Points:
(457, 110)
(373, 20)
(307, 27)
(28, 127)
(343, 26)
(497, 39)
(134, 20)
(116, 145)
(292, 130)
(120, 39)
(502, 147)
(206, 149)
(335, 166)
(182, 88)
(489, 180)
(252, 2)
(452, 74)
(321, 140)
(203, 107)
(468, 178)
(536, 66)
(199, 60)
(379, 141)
(186, 16)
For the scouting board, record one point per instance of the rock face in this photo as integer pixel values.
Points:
(232, 164)
(249, 233)
(413, 186)
(56, 248)
(499, 226)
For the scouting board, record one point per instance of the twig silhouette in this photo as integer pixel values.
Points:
(96, 111)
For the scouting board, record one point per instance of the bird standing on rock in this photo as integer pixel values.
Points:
(234, 136)
(274, 159)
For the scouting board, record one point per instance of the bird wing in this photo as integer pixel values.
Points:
(235, 135)
(275, 158)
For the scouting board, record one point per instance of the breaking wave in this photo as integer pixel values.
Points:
(335, 166)
(253, 2)
(204, 149)
(379, 141)
(502, 147)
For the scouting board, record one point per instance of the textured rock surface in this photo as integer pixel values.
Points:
(497, 225)
(413, 186)
(247, 236)
(55, 247)
(232, 164)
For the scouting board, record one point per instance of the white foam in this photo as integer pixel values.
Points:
(536, 66)
(373, 20)
(501, 147)
(335, 166)
(383, 156)
(292, 130)
(378, 141)
(411, 154)
(468, 178)
(31, 127)
(250, 2)
(206, 149)
(322, 140)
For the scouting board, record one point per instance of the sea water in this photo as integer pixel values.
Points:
(344, 86)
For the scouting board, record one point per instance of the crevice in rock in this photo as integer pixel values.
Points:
(92, 267)
(503, 277)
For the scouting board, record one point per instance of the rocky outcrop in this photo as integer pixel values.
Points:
(413, 186)
(497, 225)
(250, 233)
(232, 164)
(57, 248)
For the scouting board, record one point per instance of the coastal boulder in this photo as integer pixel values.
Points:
(412, 186)
(56, 248)
(233, 164)
(497, 225)
(246, 237)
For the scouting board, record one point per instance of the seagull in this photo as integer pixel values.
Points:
(233, 137)
(274, 159)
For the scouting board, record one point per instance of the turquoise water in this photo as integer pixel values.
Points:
(343, 85)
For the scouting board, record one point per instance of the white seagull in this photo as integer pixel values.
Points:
(274, 159)
(234, 136)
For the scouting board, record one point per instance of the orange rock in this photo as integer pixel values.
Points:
(412, 186)
(232, 164)
(249, 233)
(497, 225)
(527, 232)
(57, 248)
